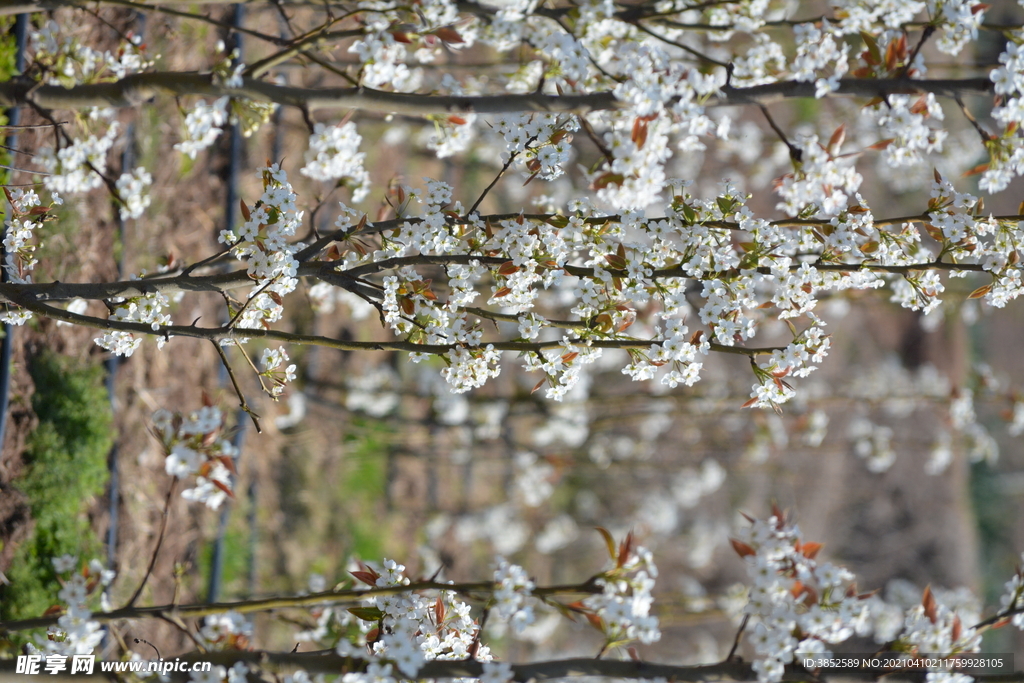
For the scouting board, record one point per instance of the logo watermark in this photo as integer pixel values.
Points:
(86, 664)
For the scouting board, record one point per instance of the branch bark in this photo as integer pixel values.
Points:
(275, 603)
(281, 663)
(136, 89)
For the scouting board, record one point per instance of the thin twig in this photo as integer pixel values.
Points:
(686, 48)
(736, 640)
(18, 151)
(238, 390)
(198, 17)
(330, 67)
(589, 130)
(504, 167)
(146, 642)
(159, 543)
(795, 153)
(176, 622)
(245, 304)
(985, 135)
(22, 170)
(33, 126)
(928, 31)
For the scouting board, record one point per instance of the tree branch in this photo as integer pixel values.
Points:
(281, 663)
(274, 603)
(135, 89)
(159, 543)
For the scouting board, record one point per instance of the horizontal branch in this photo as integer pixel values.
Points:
(327, 662)
(228, 333)
(184, 281)
(136, 89)
(275, 603)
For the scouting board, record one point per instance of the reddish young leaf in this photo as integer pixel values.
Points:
(228, 462)
(835, 142)
(606, 179)
(53, 610)
(928, 602)
(639, 135)
(625, 549)
(980, 292)
(367, 577)
(810, 549)
(449, 35)
(616, 261)
(609, 541)
(980, 168)
(779, 515)
(438, 611)
(223, 487)
(741, 548)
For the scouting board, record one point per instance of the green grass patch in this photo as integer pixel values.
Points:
(66, 467)
(8, 47)
(235, 560)
(363, 486)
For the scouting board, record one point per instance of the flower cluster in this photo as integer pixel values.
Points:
(934, 628)
(194, 445)
(540, 141)
(796, 604)
(334, 154)
(131, 188)
(227, 631)
(412, 628)
(204, 123)
(1006, 152)
(262, 242)
(203, 126)
(274, 370)
(1012, 601)
(63, 60)
(816, 49)
(623, 608)
(19, 252)
(78, 166)
(902, 122)
(148, 310)
(512, 591)
(381, 57)
(75, 634)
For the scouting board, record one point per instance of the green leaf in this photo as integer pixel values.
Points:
(366, 613)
